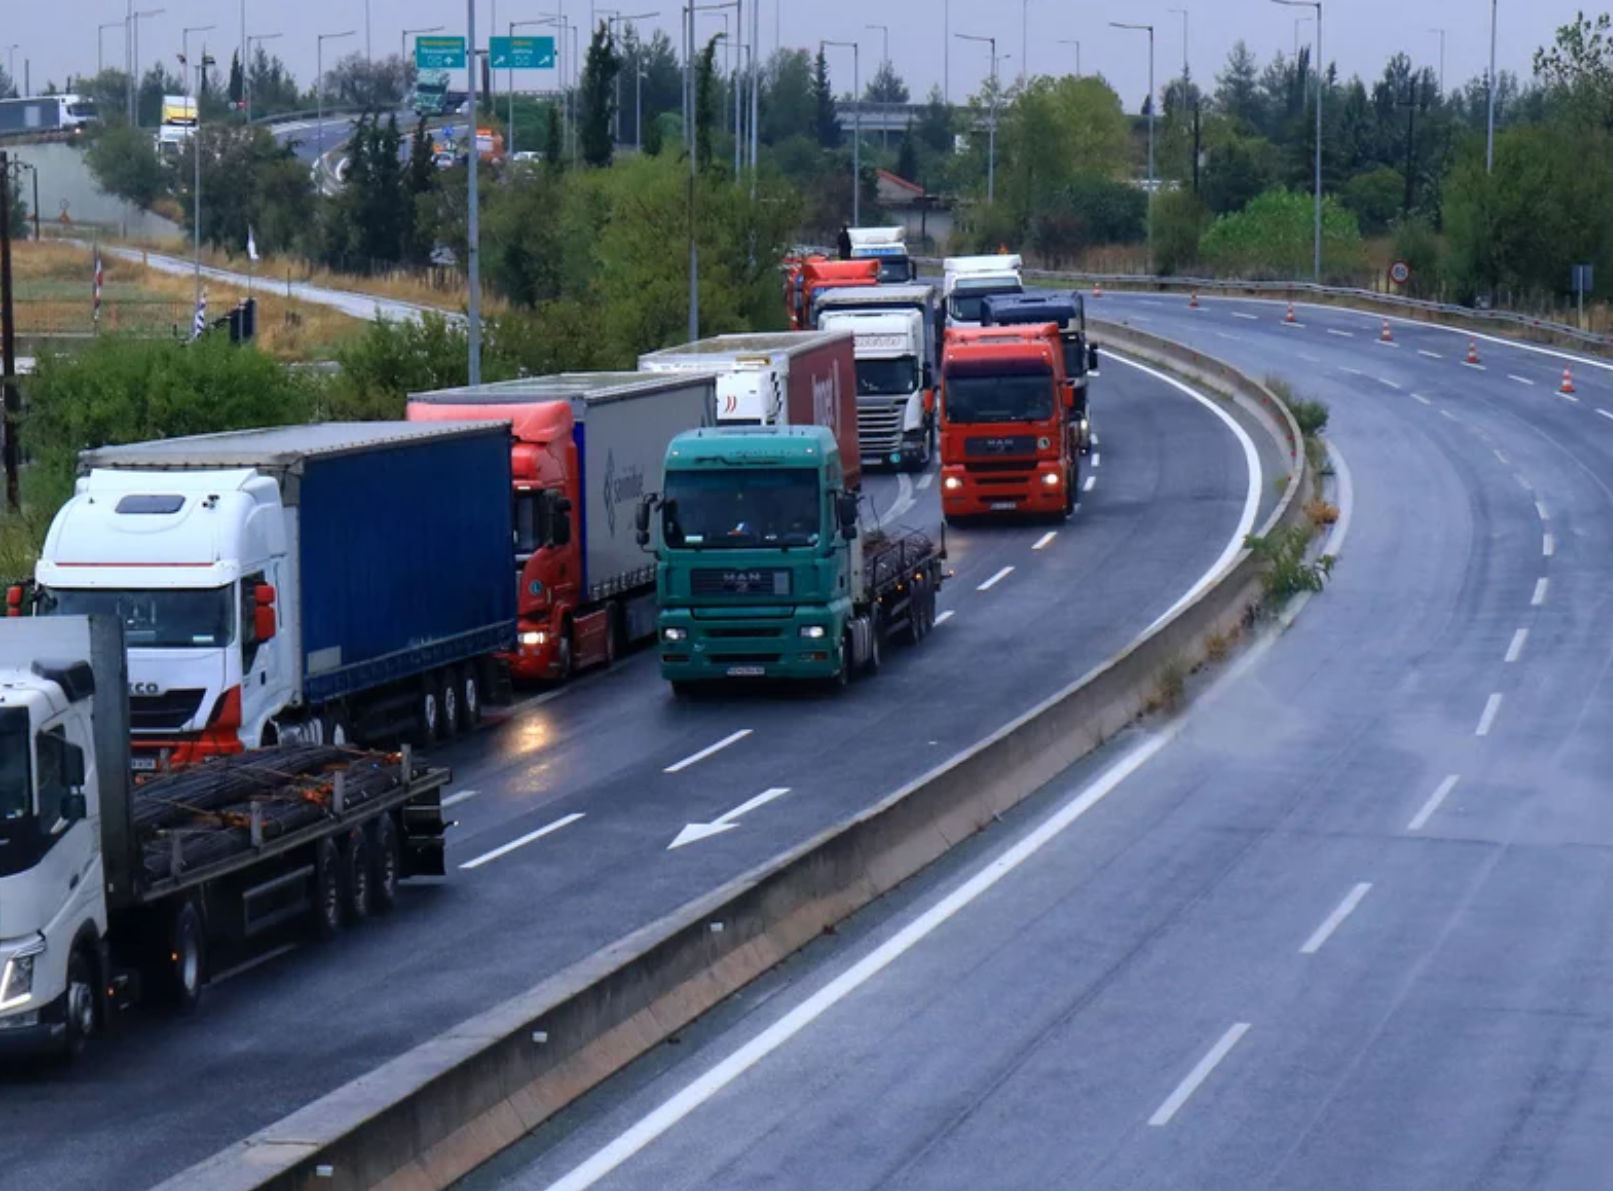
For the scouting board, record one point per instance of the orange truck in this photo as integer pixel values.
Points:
(1009, 429)
(805, 278)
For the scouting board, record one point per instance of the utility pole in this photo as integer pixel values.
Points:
(857, 127)
(1489, 121)
(319, 92)
(8, 341)
(100, 38)
(1441, 33)
(473, 309)
(689, 139)
(1076, 42)
(884, 64)
(1152, 104)
(1321, 85)
(246, 74)
(991, 133)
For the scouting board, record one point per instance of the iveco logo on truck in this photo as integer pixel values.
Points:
(144, 688)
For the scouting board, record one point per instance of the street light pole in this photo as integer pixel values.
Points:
(319, 91)
(1024, 40)
(1182, 12)
(1316, 263)
(1441, 33)
(857, 127)
(991, 132)
(246, 73)
(1152, 104)
(884, 64)
(134, 84)
(1076, 42)
(100, 32)
(473, 307)
(1489, 120)
(403, 39)
(184, 53)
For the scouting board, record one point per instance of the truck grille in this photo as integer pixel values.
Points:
(167, 712)
(879, 427)
(746, 659)
(1007, 444)
(747, 633)
(712, 581)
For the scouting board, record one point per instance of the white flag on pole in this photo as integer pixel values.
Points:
(251, 244)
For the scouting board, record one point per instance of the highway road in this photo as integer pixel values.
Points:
(1344, 925)
(569, 806)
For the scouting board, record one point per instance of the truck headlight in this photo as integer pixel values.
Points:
(1050, 478)
(673, 633)
(17, 981)
(532, 638)
(813, 632)
(952, 483)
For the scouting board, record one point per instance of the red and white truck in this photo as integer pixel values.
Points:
(778, 378)
(586, 447)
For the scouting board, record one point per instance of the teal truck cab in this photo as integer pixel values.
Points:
(762, 570)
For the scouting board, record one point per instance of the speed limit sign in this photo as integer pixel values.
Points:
(1400, 272)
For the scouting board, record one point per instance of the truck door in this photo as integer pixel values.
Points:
(68, 842)
(263, 675)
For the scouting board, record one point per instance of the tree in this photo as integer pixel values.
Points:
(124, 163)
(1274, 237)
(935, 123)
(237, 78)
(825, 123)
(1375, 197)
(1236, 168)
(1053, 131)
(705, 110)
(554, 141)
(599, 98)
(886, 86)
(19, 207)
(270, 85)
(156, 83)
(907, 157)
(1578, 68)
(1179, 219)
(1237, 92)
(248, 181)
(374, 86)
(662, 86)
(8, 88)
(787, 97)
(420, 179)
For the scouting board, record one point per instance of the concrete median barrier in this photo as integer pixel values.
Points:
(431, 1115)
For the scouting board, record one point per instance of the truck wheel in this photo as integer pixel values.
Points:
(917, 603)
(386, 863)
(428, 713)
(876, 629)
(356, 884)
(184, 966)
(448, 709)
(684, 691)
(327, 889)
(81, 1002)
(1070, 489)
(470, 697)
(333, 729)
(842, 675)
(568, 655)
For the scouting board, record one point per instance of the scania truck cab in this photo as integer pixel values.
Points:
(1008, 442)
(895, 424)
(1067, 311)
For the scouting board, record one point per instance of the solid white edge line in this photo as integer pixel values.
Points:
(1515, 650)
(1046, 540)
(1333, 921)
(1501, 457)
(1251, 499)
(1420, 397)
(942, 617)
(1604, 412)
(1492, 705)
(458, 796)
(696, 758)
(1097, 459)
(1200, 1073)
(523, 841)
(1539, 597)
(995, 579)
(1435, 801)
(1090, 484)
(1548, 545)
(706, 1085)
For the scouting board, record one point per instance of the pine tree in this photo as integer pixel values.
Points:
(705, 91)
(554, 141)
(826, 125)
(599, 99)
(907, 157)
(235, 90)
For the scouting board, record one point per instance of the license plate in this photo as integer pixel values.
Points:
(1005, 504)
(143, 764)
(746, 671)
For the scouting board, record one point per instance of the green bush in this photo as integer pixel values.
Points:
(1286, 572)
(1274, 236)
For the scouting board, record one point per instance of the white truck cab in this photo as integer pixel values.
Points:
(887, 245)
(191, 563)
(894, 376)
(967, 280)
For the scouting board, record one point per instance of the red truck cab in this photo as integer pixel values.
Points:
(818, 274)
(1009, 440)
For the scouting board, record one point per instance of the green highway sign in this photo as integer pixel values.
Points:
(439, 53)
(521, 53)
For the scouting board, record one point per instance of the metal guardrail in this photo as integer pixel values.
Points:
(1293, 289)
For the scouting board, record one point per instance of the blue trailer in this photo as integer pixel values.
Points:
(326, 583)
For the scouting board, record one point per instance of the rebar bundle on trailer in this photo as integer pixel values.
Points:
(230, 805)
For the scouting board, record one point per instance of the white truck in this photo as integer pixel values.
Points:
(968, 280)
(894, 345)
(112, 892)
(888, 245)
(178, 123)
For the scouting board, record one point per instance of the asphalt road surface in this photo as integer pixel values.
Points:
(1344, 925)
(568, 807)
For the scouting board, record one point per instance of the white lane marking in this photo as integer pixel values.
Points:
(1097, 459)
(459, 796)
(1541, 509)
(1142, 318)
(1487, 720)
(1420, 397)
(1341, 334)
(1296, 326)
(905, 499)
(1448, 414)
(1499, 454)
(1515, 650)
(1351, 371)
(1094, 438)
(1092, 482)
(1522, 380)
(523, 841)
(1234, 338)
(1254, 318)
(696, 758)
(1523, 481)
(1046, 540)
(1548, 545)
(1478, 367)
(676, 1107)
(1384, 380)
(995, 579)
(1387, 343)
(257, 961)
(925, 481)
(1200, 1073)
(694, 832)
(1539, 597)
(1421, 351)
(1569, 397)
(1604, 412)
(943, 617)
(1251, 498)
(1309, 359)
(1332, 922)
(1435, 801)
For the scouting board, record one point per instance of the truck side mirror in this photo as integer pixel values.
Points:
(561, 534)
(929, 376)
(74, 807)
(263, 626)
(846, 510)
(73, 771)
(1092, 359)
(641, 520)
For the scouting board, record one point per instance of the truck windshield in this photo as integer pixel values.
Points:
(967, 302)
(731, 509)
(16, 797)
(1017, 397)
(157, 618)
(887, 378)
(895, 270)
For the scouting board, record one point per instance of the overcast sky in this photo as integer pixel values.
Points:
(60, 37)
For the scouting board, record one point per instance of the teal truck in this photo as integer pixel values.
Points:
(762, 569)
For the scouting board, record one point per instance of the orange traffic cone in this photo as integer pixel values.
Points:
(1472, 351)
(1289, 317)
(1097, 289)
(1193, 302)
(1386, 335)
(1568, 381)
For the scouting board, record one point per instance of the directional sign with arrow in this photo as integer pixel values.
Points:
(695, 832)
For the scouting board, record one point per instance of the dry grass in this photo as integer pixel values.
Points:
(53, 298)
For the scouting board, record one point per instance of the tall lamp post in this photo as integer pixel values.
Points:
(884, 63)
(99, 40)
(1441, 34)
(403, 39)
(991, 131)
(319, 90)
(1316, 264)
(1076, 42)
(856, 124)
(134, 58)
(246, 72)
(638, 59)
(1152, 104)
(1489, 119)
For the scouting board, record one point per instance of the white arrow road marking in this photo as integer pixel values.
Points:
(695, 832)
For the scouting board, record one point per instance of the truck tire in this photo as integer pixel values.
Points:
(470, 696)
(842, 676)
(327, 898)
(81, 1003)
(356, 876)
(183, 964)
(1071, 490)
(386, 863)
(568, 654)
(428, 712)
(920, 607)
(876, 630)
(448, 712)
(334, 729)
